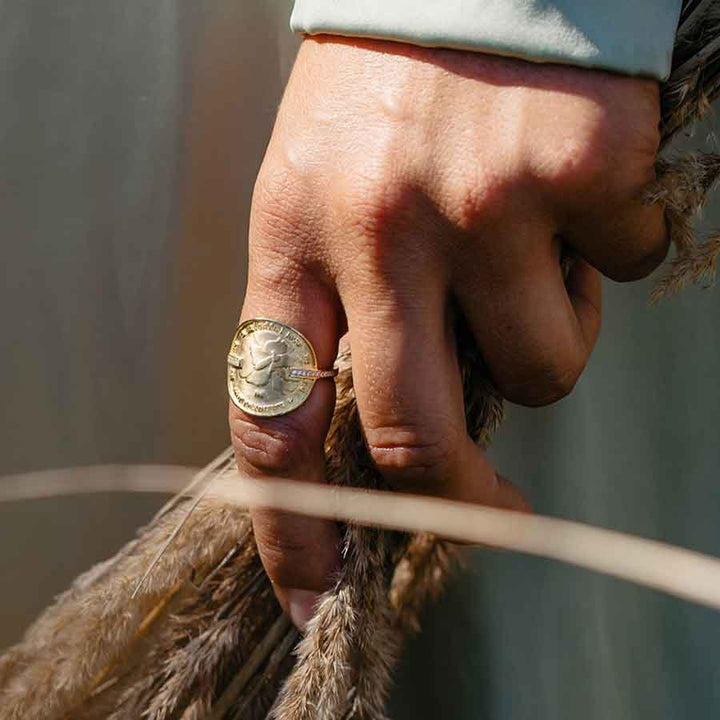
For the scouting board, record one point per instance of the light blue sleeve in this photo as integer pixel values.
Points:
(634, 37)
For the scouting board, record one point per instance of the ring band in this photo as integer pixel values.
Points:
(272, 368)
(315, 374)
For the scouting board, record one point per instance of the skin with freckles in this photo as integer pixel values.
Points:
(403, 185)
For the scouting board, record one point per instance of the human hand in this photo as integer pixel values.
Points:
(404, 184)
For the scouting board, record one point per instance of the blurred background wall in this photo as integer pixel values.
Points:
(130, 135)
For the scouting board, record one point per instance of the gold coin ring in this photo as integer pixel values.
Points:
(272, 368)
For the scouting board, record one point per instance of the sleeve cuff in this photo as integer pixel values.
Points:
(633, 37)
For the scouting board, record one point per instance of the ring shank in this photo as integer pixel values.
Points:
(313, 373)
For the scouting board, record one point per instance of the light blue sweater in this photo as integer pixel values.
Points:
(634, 37)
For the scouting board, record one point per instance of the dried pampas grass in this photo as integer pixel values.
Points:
(683, 187)
(684, 182)
(200, 636)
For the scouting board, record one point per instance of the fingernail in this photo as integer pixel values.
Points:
(302, 605)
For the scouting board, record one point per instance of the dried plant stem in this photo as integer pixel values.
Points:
(259, 655)
(674, 570)
(677, 571)
(279, 655)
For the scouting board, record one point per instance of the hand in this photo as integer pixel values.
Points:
(401, 182)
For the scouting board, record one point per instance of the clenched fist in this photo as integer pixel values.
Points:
(403, 185)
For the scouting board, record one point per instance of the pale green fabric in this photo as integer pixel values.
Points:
(634, 37)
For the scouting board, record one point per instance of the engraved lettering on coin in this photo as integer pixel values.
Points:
(261, 356)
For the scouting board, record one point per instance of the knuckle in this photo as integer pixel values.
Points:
(576, 165)
(284, 557)
(276, 273)
(375, 200)
(411, 454)
(643, 258)
(292, 552)
(638, 252)
(637, 268)
(590, 157)
(542, 386)
(379, 216)
(280, 207)
(278, 449)
(474, 203)
(477, 194)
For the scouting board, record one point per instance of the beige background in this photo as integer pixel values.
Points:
(130, 137)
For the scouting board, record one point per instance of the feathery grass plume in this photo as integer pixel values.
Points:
(684, 182)
(218, 628)
(682, 187)
(694, 81)
(420, 577)
(204, 639)
(94, 626)
(696, 267)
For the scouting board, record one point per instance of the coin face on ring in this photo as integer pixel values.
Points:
(259, 362)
